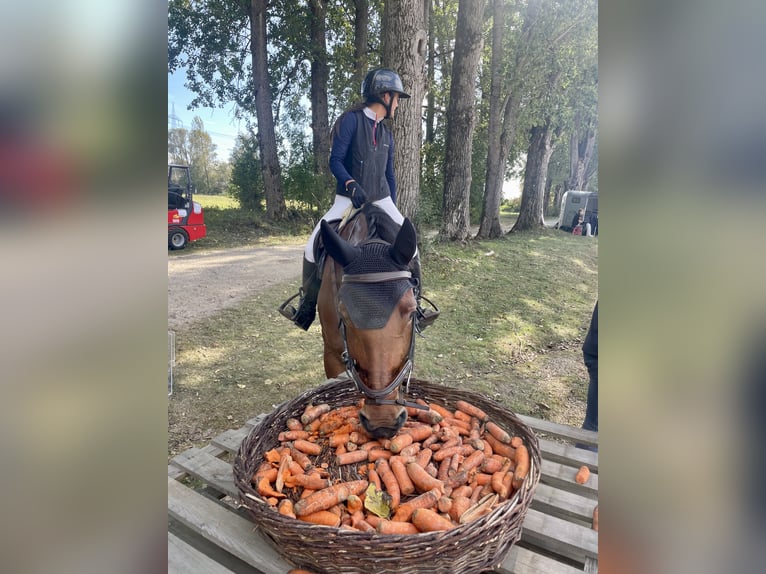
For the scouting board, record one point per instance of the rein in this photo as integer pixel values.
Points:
(378, 397)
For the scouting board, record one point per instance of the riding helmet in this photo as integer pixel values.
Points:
(380, 81)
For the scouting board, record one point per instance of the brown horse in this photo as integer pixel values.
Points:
(367, 310)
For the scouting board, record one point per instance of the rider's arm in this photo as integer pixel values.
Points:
(390, 177)
(340, 144)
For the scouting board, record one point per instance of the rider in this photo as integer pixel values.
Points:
(362, 161)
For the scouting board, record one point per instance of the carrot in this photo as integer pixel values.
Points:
(354, 503)
(419, 432)
(444, 504)
(264, 488)
(508, 484)
(454, 463)
(329, 497)
(443, 453)
(300, 571)
(371, 444)
(428, 499)
(410, 451)
(312, 481)
(323, 517)
(426, 520)
(378, 453)
(443, 411)
(430, 416)
(286, 508)
(391, 527)
(307, 447)
(582, 476)
(464, 490)
(313, 426)
(300, 458)
(497, 432)
(421, 479)
(273, 455)
(482, 508)
(311, 413)
(498, 478)
(351, 457)
(424, 457)
(516, 442)
(400, 472)
(443, 472)
(492, 464)
(339, 439)
(459, 505)
(463, 416)
(473, 460)
(400, 441)
(390, 482)
(522, 466)
(294, 424)
(374, 478)
(292, 435)
(500, 447)
(472, 410)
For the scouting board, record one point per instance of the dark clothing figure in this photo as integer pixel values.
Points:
(590, 358)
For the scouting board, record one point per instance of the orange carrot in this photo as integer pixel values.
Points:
(443, 472)
(273, 455)
(428, 499)
(492, 464)
(292, 435)
(329, 497)
(426, 520)
(582, 476)
(300, 571)
(378, 453)
(522, 466)
(307, 447)
(400, 441)
(507, 484)
(374, 478)
(421, 479)
(313, 426)
(459, 505)
(474, 460)
(312, 481)
(371, 444)
(464, 490)
(498, 432)
(286, 508)
(389, 481)
(424, 457)
(311, 413)
(391, 527)
(353, 503)
(472, 410)
(264, 488)
(500, 447)
(294, 424)
(444, 504)
(339, 439)
(323, 517)
(443, 411)
(430, 416)
(400, 471)
(463, 416)
(300, 458)
(351, 457)
(443, 453)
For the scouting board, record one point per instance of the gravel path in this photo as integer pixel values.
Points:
(201, 284)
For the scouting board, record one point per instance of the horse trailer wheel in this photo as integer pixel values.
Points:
(177, 239)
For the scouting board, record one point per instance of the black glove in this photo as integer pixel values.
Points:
(356, 193)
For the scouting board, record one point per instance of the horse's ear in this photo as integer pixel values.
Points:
(405, 244)
(338, 248)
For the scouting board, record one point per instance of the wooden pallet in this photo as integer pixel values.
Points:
(208, 531)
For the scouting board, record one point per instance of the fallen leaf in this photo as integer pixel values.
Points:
(377, 501)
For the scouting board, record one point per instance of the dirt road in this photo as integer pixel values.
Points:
(201, 284)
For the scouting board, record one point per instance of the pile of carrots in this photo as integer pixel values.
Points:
(444, 468)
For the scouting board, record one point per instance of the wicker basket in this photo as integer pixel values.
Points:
(474, 547)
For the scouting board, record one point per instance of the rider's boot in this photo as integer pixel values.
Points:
(425, 317)
(304, 315)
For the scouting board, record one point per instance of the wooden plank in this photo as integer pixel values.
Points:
(185, 559)
(559, 536)
(563, 476)
(568, 454)
(561, 431)
(232, 533)
(208, 469)
(563, 504)
(523, 561)
(231, 439)
(178, 473)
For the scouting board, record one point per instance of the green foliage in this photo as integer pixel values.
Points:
(246, 184)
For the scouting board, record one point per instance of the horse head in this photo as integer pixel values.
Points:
(375, 307)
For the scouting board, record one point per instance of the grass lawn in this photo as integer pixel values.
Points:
(515, 311)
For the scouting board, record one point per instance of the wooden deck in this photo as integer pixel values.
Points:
(209, 533)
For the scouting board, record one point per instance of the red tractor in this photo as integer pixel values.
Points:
(186, 222)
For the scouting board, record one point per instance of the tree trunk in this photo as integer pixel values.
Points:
(267, 141)
(538, 156)
(361, 25)
(461, 120)
(582, 143)
(430, 74)
(404, 50)
(489, 225)
(503, 115)
(319, 77)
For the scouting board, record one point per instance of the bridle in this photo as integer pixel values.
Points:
(375, 396)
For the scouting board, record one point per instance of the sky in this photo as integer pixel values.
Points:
(218, 122)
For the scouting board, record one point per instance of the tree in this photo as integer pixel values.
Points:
(319, 76)
(202, 156)
(461, 121)
(538, 154)
(178, 146)
(210, 39)
(404, 50)
(246, 181)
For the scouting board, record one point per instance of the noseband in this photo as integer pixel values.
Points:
(375, 396)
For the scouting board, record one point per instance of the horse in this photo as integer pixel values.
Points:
(367, 310)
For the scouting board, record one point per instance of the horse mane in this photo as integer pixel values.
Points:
(379, 224)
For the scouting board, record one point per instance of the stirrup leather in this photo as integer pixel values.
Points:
(426, 316)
